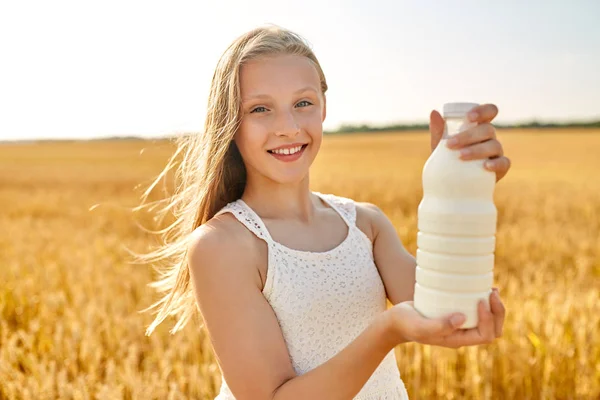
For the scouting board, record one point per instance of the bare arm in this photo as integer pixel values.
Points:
(246, 336)
(396, 265)
(397, 269)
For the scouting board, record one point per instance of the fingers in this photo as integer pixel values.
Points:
(499, 165)
(436, 128)
(445, 332)
(480, 143)
(486, 323)
(484, 333)
(477, 134)
(416, 327)
(498, 311)
(483, 113)
(439, 327)
(480, 151)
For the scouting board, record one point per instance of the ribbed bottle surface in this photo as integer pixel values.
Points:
(456, 239)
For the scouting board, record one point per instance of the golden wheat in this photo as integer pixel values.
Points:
(69, 299)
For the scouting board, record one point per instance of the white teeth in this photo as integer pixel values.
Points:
(288, 151)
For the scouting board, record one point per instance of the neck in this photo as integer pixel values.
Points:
(273, 200)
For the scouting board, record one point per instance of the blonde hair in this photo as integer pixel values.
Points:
(211, 173)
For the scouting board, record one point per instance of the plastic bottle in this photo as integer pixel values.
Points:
(457, 227)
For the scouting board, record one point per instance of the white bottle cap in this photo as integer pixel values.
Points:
(458, 109)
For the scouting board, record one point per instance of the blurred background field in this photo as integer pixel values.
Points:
(69, 300)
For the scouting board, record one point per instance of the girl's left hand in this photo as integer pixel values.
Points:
(411, 326)
(479, 142)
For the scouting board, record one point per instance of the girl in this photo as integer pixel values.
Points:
(291, 283)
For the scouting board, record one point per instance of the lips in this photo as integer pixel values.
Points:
(293, 146)
(289, 157)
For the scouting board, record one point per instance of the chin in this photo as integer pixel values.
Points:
(290, 179)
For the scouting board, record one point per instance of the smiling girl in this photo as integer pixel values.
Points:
(291, 283)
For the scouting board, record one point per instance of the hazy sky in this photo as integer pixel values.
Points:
(103, 68)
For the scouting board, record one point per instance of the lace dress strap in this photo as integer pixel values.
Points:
(249, 218)
(344, 206)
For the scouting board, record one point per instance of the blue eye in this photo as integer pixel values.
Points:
(259, 107)
(306, 101)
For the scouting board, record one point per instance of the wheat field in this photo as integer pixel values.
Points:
(70, 326)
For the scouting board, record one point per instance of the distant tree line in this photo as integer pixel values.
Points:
(346, 128)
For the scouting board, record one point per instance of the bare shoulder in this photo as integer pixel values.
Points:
(368, 216)
(223, 246)
(217, 229)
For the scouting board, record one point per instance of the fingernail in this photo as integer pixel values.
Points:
(452, 142)
(472, 115)
(465, 152)
(489, 164)
(457, 319)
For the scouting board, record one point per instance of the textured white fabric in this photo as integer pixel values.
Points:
(324, 300)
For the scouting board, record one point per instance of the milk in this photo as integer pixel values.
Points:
(457, 226)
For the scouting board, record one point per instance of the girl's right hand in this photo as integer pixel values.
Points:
(410, 326)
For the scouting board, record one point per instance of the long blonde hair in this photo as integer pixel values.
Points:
(211, 173)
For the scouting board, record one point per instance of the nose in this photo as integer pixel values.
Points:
(286, 125)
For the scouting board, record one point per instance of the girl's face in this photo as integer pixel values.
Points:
(282, 105)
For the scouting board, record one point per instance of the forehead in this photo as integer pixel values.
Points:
(273, 74)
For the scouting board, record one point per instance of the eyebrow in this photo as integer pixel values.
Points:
(262, 96)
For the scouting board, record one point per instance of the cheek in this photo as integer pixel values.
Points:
(250, 141)
(316, 144)
(249, 133)
(314, 127)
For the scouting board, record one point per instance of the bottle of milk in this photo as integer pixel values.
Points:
(457, 227)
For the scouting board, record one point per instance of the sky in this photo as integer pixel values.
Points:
(91, 69)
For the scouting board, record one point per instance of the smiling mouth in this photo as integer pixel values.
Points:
(283, 154)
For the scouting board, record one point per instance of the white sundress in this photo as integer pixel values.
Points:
(324, 300)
